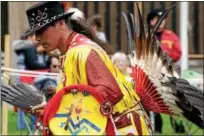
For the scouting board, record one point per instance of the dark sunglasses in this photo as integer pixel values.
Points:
(55, 66)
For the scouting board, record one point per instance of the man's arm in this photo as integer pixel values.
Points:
(101, 78)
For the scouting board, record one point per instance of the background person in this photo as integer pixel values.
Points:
(27, 59)
(120, 60)
(95, 22)
(169, 40)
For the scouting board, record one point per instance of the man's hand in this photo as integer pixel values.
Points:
(38, 109)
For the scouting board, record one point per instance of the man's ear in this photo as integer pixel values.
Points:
(59, 24)
(94, 29)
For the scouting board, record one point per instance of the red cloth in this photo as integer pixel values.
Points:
(101, 78)
(29, 80)
(98, 74)
(70, 38)
(171, 44)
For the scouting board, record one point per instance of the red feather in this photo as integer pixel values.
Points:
(149, 96)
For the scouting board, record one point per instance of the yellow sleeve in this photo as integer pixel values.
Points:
(74, 67)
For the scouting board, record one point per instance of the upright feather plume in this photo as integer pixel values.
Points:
(156, 81)
(130, 36)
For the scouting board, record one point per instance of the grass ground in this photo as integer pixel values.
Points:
(167, 129)
(12, 124)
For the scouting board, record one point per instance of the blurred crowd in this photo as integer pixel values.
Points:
(32, 56)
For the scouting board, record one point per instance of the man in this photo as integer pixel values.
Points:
(53, 64)
(95, 22)
(120, 60)
(48, 84)
(83, 61)
(169, 40)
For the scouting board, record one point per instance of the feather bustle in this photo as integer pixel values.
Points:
(156, 80)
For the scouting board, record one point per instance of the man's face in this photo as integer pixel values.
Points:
(122, 65)
(54, 67)
(49, 38)
(154, 21)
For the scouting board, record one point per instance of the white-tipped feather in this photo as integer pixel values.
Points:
(77, 15)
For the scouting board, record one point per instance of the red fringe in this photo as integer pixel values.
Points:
(147, 91)
(110, 128)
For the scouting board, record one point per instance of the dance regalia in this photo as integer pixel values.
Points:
(94, 98)
(87, 63)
